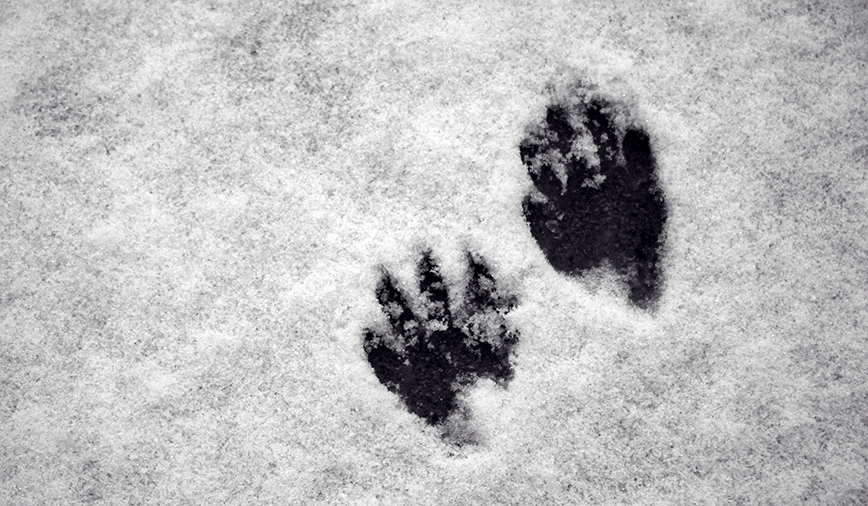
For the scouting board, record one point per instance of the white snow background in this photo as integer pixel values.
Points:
(196, 197)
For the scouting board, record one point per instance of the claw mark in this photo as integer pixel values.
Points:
(431, 356)
(600, 202)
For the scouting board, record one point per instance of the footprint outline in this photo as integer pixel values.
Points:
(431, 355)
(603, 208)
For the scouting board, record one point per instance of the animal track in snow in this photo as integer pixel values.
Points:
(598, 203)
(432, 351)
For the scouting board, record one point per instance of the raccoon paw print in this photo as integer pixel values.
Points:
(431, 351)
(597, 202)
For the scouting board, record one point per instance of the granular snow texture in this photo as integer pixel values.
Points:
(200, 199)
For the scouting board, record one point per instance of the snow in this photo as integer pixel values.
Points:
(197, 200)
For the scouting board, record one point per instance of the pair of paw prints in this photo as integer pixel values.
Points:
(596, 204)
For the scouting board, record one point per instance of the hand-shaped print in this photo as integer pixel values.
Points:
(598, 196)
(431, 354)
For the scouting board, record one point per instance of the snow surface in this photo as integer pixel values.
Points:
(197, 196)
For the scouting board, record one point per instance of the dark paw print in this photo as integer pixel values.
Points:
(599, 201)
(432, 351)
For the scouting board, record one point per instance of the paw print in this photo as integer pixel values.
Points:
(598, 202)
(432, 351)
